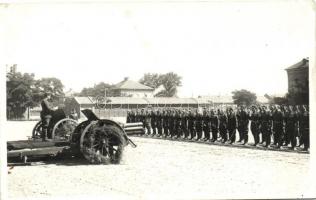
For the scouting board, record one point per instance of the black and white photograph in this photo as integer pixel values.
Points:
(158, 99)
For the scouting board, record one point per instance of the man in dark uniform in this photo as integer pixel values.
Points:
(278, 126)
(238, 122)
(172, 123)
(304, 126)
(231, 125)
(222, 125)
(159, 122)
(243, 125)
(206, 125)
(198, 124)
(191, 125)
(132, 116)
(46, 114)
(165, 122)
(255, 125)
(214, 125)
(184, 124)
(290, 119)
(266, 124)
(153, 120)
(147, 122)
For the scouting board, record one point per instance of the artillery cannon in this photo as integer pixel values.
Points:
(97, 140)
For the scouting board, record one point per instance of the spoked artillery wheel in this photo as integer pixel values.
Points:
(64, 128)
(102, 144)
(37, 130)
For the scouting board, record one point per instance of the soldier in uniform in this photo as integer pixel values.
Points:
(290, 119)
(222, 125)
(266, 125)
(132, 116)
(165, 122)
(172, 123)
(191, 125)
(128, 117)
(206, 125)
(243, 125)
(231, 125)
(255, 125)
(147, 122)
(198, 124)
(238, 122)
(153, 121)
(46, 114)
(159, 122)
(184, 124)
(278, 126)
(214, 125)
(304, 126)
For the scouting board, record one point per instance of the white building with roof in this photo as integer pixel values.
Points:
(129, 88)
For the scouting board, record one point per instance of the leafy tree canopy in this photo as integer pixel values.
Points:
(244, 97)
(170, 82)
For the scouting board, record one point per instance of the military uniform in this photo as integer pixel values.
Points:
(198, 125)
(243, 123)
(153, 117)
(206, 125)
(191, 125)
(147, 122)
(214, 126)
(184, 124)
(165, 123)
(46, 115)
(223, 126)
(278, 124)
(266, 125)
(231, 126)
(255, 126)
(159, 120)
(304, 128)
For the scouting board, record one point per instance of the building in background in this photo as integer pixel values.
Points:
(129, 88)
(298, 82)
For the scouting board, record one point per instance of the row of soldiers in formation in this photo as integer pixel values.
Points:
(282, 125)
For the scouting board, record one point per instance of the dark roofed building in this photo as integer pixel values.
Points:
(129, 88)
(298, 82)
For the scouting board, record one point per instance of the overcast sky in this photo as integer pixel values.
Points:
(216, 47)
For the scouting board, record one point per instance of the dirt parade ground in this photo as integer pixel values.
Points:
(163, 169)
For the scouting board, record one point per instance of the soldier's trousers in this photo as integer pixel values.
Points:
(199, 132)
(159, 130)
(232, 134)
(290, 136)
(223, 133)
(148, 127)
(244, 134)
(255, 133)
(185, 131)
(192, 132)
(278, 131)
(214, 133)
(165, 131)
(266, 135)
(207, 132)
(154, 129)
(240, 134)
(305, 138)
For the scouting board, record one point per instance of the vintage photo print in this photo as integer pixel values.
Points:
(157, 99)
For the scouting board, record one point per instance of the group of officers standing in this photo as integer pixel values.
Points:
(271, 126)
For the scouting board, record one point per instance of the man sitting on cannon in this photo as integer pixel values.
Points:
(46, 114)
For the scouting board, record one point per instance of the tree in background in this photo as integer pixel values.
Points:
(98, 90)
(20, 89)
(170, 81)
(51, 85)
(24, 91)
(244, 97)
